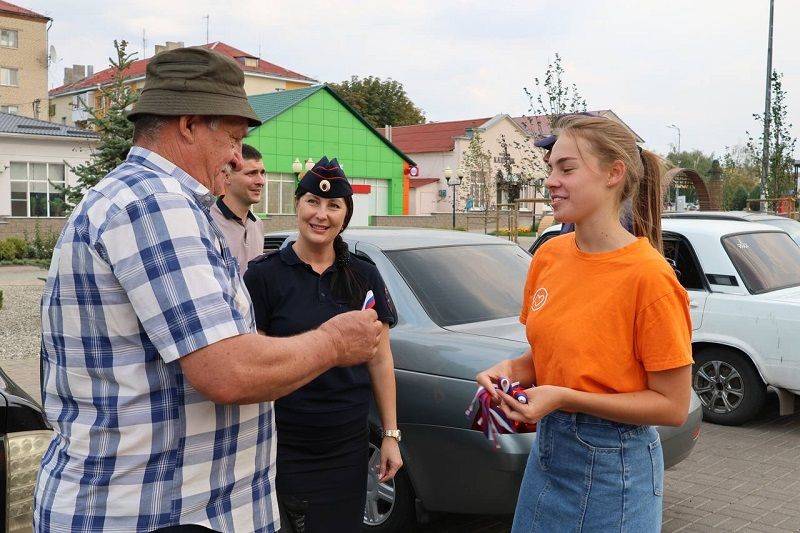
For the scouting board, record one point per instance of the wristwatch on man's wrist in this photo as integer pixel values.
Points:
(393, 433)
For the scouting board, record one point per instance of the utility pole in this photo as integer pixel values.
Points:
(767, 99)
(144, 43)
(208, 23)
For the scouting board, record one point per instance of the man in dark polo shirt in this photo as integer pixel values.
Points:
(243, 230)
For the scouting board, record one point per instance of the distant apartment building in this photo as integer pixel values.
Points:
(23, 61)
(81, 89)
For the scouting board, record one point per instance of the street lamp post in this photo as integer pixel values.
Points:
(453, 181)
(676, 128)
(297, 168)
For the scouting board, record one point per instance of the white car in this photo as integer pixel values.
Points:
(743, 281)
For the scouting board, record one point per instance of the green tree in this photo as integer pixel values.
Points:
(110, 122)
(551, 97)
(780, 179)
(740, 175)
(381, 102)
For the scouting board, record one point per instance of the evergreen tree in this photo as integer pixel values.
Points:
(110, 122)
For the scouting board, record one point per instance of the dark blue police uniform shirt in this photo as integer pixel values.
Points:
(289, 298)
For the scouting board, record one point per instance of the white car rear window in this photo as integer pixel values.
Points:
(766, 261)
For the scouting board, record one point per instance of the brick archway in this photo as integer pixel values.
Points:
(706, 203)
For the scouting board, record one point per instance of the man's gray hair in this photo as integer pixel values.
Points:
(147, 127)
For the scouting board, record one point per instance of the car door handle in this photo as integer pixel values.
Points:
(694, 305)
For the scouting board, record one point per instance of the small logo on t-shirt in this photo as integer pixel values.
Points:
(539, 299)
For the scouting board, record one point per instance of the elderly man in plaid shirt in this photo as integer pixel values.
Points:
(157, 385)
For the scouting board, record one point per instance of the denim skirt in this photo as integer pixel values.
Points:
(589, 474)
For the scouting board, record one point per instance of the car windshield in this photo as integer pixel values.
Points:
(765, 261)
(463, 284)
(792, 227)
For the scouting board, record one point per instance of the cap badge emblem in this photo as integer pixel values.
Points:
(324, 185)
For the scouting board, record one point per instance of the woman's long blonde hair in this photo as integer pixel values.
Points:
(610, 141)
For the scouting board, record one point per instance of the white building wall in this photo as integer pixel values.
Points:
(425, 200)
(39, 149)
(432, 165)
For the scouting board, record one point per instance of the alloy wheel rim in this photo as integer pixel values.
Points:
(380, 496)
(719, 386)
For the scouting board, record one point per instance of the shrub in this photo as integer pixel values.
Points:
(8, 252)
(42, 244)
(19, 245)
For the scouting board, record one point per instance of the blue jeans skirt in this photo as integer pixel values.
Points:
(589, 474)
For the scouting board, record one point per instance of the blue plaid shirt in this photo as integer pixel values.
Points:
(141, 277)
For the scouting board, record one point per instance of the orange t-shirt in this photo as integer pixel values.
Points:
(597, 322)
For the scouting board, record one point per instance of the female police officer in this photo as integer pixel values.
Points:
(322, 427)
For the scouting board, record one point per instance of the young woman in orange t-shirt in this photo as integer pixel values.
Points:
(610, 337)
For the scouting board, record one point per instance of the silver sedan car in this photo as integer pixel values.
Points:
(458, 297)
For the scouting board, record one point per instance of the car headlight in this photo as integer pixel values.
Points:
(23, 453)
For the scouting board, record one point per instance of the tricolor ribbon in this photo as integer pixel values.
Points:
(490, 418)
(369, 301)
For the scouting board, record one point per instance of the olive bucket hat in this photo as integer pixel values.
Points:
(194, 81)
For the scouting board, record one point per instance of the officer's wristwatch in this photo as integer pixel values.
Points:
(393, 433)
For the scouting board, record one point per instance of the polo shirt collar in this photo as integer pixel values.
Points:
(227, 213)
(290, 257)
(158, 163)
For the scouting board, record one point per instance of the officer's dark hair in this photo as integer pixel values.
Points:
(250, 154)
(346, 283)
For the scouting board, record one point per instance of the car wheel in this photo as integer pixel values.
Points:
(389, 506)
(728, 386)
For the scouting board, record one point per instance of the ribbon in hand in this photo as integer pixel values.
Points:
(490, 418)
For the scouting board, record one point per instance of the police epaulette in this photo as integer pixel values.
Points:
(263, 257)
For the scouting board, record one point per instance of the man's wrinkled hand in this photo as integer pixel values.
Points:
(355, 336)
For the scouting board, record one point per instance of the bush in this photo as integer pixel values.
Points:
(19, 245)
(42, 244)
(8, 252)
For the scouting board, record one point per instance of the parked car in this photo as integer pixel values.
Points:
(789, 225)
(25, 435)
(743, 280)
(458, 297)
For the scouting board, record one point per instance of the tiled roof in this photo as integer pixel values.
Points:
(8, 7)
(137, 69)
(269, 105)
(30, 126)
(440, 136)
(432, 137)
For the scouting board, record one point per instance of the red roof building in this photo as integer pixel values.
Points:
(7, 8)
(67, 102)
(441, 136)
(248, 62)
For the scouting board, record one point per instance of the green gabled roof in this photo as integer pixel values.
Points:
(269, 105)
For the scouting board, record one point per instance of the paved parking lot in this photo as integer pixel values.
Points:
(737, 479)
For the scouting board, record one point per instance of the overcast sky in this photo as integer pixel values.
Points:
(699, 64)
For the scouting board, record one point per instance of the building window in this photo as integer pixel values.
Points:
(9, 77)
(11, 109)
(278, 195)
(36, 189)
(9, 38)
(51, 110)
